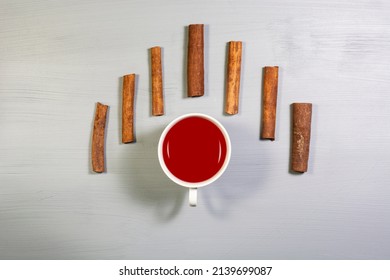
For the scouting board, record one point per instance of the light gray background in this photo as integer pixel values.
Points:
(58, 58)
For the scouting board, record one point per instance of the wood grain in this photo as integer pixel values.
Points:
(195, 61)
(157, 82)
(98, 138)
(301, 136)
(233, 77)
(270, 95)
(128, 92)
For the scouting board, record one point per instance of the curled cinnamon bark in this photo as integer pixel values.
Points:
(128, 108)
(98, 138)
(195, 61)
(233, 77)
(157, 82)
(301, 136)
(270, 94)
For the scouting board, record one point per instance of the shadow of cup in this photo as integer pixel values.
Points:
(244, 177)
(147, 183)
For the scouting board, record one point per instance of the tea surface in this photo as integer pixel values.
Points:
(194, 149)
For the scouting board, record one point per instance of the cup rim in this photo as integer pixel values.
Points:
(216, 175)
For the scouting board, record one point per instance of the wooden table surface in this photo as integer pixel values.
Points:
(58, 58)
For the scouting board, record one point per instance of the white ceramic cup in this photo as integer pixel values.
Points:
(191, 185)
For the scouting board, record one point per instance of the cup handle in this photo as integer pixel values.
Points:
(193, 196)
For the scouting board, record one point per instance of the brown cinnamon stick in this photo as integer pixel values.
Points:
(157, 83)
(270, 93)
(301, 136)
(233, 77)
(195, 61)
(98, 138)
(128, 108)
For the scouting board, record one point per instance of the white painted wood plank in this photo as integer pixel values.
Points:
(57, 58)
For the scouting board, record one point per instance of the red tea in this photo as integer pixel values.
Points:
(194, 149)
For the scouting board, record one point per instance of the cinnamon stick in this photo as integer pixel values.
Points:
(233, 77)
(98, 138)
(301, 136)
(128, 108)
(195, 61)
(270, 93)
(157, 82)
